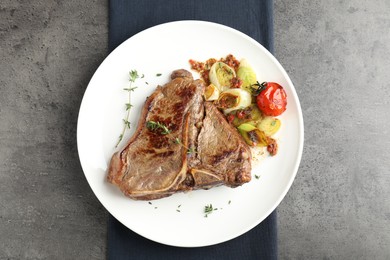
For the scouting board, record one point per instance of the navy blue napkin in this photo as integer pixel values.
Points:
(252, 17)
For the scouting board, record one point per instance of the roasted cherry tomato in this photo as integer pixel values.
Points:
(272, 99)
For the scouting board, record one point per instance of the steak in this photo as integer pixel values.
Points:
(197, 149)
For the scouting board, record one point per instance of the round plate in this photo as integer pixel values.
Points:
(179, 220)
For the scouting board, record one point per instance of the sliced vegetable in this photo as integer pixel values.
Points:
(211, 93)
(251, 114)
(221, 75)
(246, 74)
(246, 127)
(252, 135)
(269, 125)
(234, 99)
(257, 137)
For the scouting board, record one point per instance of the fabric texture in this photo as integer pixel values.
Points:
(254, 18)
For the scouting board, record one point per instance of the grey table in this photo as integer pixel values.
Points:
(337, 54)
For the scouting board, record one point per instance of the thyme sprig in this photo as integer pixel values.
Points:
(153, 126)
(133, 77)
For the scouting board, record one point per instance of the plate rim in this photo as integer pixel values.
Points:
(297, 162)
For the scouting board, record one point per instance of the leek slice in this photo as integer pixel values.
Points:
(252, 135)
(269, 125)
(233, 99)
(211, 93)
(246, 74)
(221, 75)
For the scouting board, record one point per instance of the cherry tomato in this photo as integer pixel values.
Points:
(272, 99)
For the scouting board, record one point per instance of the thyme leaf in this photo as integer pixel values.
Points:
(128, 106)
(208, 209)
(127, 123)
(191, 150)
(133, 75)
(130, 89)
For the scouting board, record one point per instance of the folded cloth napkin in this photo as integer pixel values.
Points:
(252, 17)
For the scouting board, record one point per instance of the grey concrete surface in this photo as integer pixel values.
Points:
(338, 56)
(49, 51)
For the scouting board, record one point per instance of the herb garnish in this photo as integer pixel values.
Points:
(158, 74)
(260, 87)
(208, 209)
(151, 125)
(150, 203)
(257, 176)
(133, 76)
(190, 150)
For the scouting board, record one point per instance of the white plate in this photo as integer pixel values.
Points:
(162, 49)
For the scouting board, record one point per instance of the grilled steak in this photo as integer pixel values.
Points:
(199, 150)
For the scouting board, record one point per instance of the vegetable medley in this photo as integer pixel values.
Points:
(250, 106)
